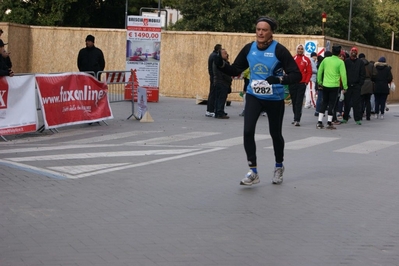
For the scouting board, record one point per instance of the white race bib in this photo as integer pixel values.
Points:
(261, 87)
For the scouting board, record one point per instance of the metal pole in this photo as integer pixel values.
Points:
(159, 8)
(126, 7)
(392, 40)
(350, 20)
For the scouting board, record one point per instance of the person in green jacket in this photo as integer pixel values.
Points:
(331, 72)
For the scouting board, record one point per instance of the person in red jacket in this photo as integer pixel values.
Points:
(297, 90)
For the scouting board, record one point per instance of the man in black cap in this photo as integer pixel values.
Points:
(91, 58)
(356, 74)
(210, 107)
(271, 66)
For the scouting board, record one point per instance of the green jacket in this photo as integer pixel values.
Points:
(332, 72)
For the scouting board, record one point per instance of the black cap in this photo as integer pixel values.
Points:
(362, 55)
(336, 49)
(270, 21)
(2, 43)
(90, 38)
(313, 54)
(327, 54)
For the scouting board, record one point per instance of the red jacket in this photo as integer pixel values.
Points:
(305, 67)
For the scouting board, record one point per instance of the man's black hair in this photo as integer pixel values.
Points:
(270, 21)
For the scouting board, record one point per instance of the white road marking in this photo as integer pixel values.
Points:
(55, 148)
(231, 142)
(148, 162)
(368, 146)
(36, 170)
(112, 136)
(54, 136)
(173, 138)
(74, 156)
(305, 143)
(79, 169)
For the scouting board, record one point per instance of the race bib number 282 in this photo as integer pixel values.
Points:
(261, 87)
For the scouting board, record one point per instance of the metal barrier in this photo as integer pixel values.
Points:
(118, 84)
(116, 81)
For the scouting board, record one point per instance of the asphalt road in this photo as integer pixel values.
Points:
(167, 193)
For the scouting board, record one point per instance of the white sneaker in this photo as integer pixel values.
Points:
(376, 116)
(209, 114)
(382, 117)
(250, 179)
(278, 175)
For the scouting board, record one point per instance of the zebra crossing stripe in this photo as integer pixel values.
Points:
(368, 146)
(79, 169)
(173, 138)
(147, 163)
(305, 143)
(110, 137)
(74, 156)
(232, 141)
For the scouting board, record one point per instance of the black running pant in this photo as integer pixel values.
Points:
(297, 92)
(330, 96)
(275, 114)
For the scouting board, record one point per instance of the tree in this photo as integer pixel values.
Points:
(72, 13)
(34, 12)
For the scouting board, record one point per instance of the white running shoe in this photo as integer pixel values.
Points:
(278, 175)
(250, 179)
(382, 117)
(209, 114)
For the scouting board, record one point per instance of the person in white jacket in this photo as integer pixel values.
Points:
(310, 100)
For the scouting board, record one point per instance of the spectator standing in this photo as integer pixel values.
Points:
(5, 70)
(329, 76)
(368, 87)
(310, 88)
(210, 107)
(222, 85)
(339, 103)
(356, 73)
(91, 58)
(319, 92)
(264, 93)
(381, 79)
(297, 90)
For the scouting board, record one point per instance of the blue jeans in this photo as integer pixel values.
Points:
(319, 101)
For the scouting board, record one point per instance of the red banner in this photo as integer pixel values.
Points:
(72, 98)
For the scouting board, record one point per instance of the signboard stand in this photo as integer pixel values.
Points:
(143, 53)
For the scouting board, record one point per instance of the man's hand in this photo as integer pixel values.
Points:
(10, 73)
(273, 80)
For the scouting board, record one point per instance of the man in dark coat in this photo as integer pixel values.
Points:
(91, 58)
(356, 73)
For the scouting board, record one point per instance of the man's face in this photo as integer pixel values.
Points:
(353, 53)
(89, 44)
(299, 50)
(263, 32)
(224, 54)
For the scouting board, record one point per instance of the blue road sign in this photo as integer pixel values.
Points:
(310, 47)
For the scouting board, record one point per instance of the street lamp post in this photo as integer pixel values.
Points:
(323, 20)
(350, 20)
